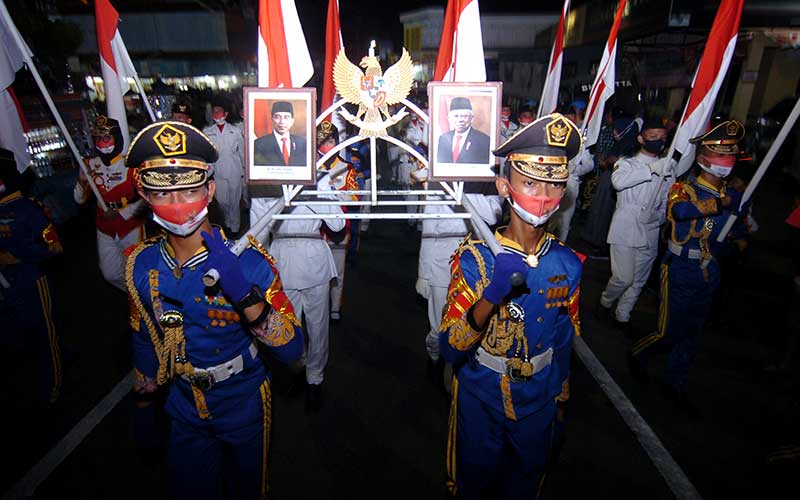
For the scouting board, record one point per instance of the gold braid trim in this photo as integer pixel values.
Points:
(461, 335)
(678, 193)
(171, 352)
(508, 403)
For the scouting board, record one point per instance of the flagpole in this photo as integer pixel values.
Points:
(136, 79)
(144, 97)
(23, 48)
(765, 163)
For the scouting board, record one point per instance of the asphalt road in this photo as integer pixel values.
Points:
(382, 430)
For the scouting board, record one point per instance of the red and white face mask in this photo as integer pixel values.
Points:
(721, 166)
(181, 218)
(105, 146)
(535, 210)
(219, 118)
(324, 148)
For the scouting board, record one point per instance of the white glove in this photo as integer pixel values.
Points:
(420, 175)
(325, 184)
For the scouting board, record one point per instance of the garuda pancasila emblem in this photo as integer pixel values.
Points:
(373, 90)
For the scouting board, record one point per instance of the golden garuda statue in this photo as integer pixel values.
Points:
(373, 90)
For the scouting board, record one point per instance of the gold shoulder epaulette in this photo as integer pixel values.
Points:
(258, 247)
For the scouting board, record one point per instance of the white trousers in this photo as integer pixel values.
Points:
(112, 260)
(436, 303)
(339, 256)
(630, 268)
(313, 303)
(228, 195)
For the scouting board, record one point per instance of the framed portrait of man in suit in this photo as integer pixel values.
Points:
(279, 132)
(465, 129)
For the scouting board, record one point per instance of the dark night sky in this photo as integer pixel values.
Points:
(363, 20)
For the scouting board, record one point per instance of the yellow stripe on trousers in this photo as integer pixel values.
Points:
(266, 401)
(451, 441)
(663, 315)
(52, 337)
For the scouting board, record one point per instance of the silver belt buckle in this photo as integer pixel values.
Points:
(203, 380)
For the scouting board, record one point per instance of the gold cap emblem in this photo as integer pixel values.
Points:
(558, 132)
(170, 141)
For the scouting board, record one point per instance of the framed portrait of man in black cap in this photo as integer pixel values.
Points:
(465, 129)
(279, 128)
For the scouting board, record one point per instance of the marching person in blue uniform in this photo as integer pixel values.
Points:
(27, 240)
(201, 340)
(696, 209)
(511, 345)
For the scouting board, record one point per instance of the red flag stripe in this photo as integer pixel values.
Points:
(270, 22)
(447, 49)
(22, 120)
(333, 31)
(106, 18)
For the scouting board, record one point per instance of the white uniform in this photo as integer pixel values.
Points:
(228, 170)
(507, 130)
(633, 235)
(581, 165)
(118, 234)
(415, 133)
(440, 239)
(306, 267)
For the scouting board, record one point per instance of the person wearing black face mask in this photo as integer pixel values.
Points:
(633, 235)
(122, 225)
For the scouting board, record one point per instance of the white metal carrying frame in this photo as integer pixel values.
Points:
(451, 194)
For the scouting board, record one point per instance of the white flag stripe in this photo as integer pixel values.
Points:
(468, 58)
(299, 57)
(12, 137)
(125, 68)
(11, 58)
(263, 62)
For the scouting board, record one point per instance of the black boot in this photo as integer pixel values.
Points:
(313, 398)
(626, 327)
(601, 312)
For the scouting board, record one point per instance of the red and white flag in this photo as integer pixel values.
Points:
(333, 44)
(707, 81)
(283, 57)
(460, 57)
(12, 132)
(115, 64)
(549, 99)
(603, 87)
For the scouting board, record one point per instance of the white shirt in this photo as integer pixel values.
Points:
(636, 222)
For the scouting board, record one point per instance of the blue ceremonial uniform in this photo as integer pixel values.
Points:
(27, 240)
(502, 424)
(696, 217)
(223, 430)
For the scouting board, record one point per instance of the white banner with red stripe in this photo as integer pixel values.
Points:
(549, 99)
(603, 87)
